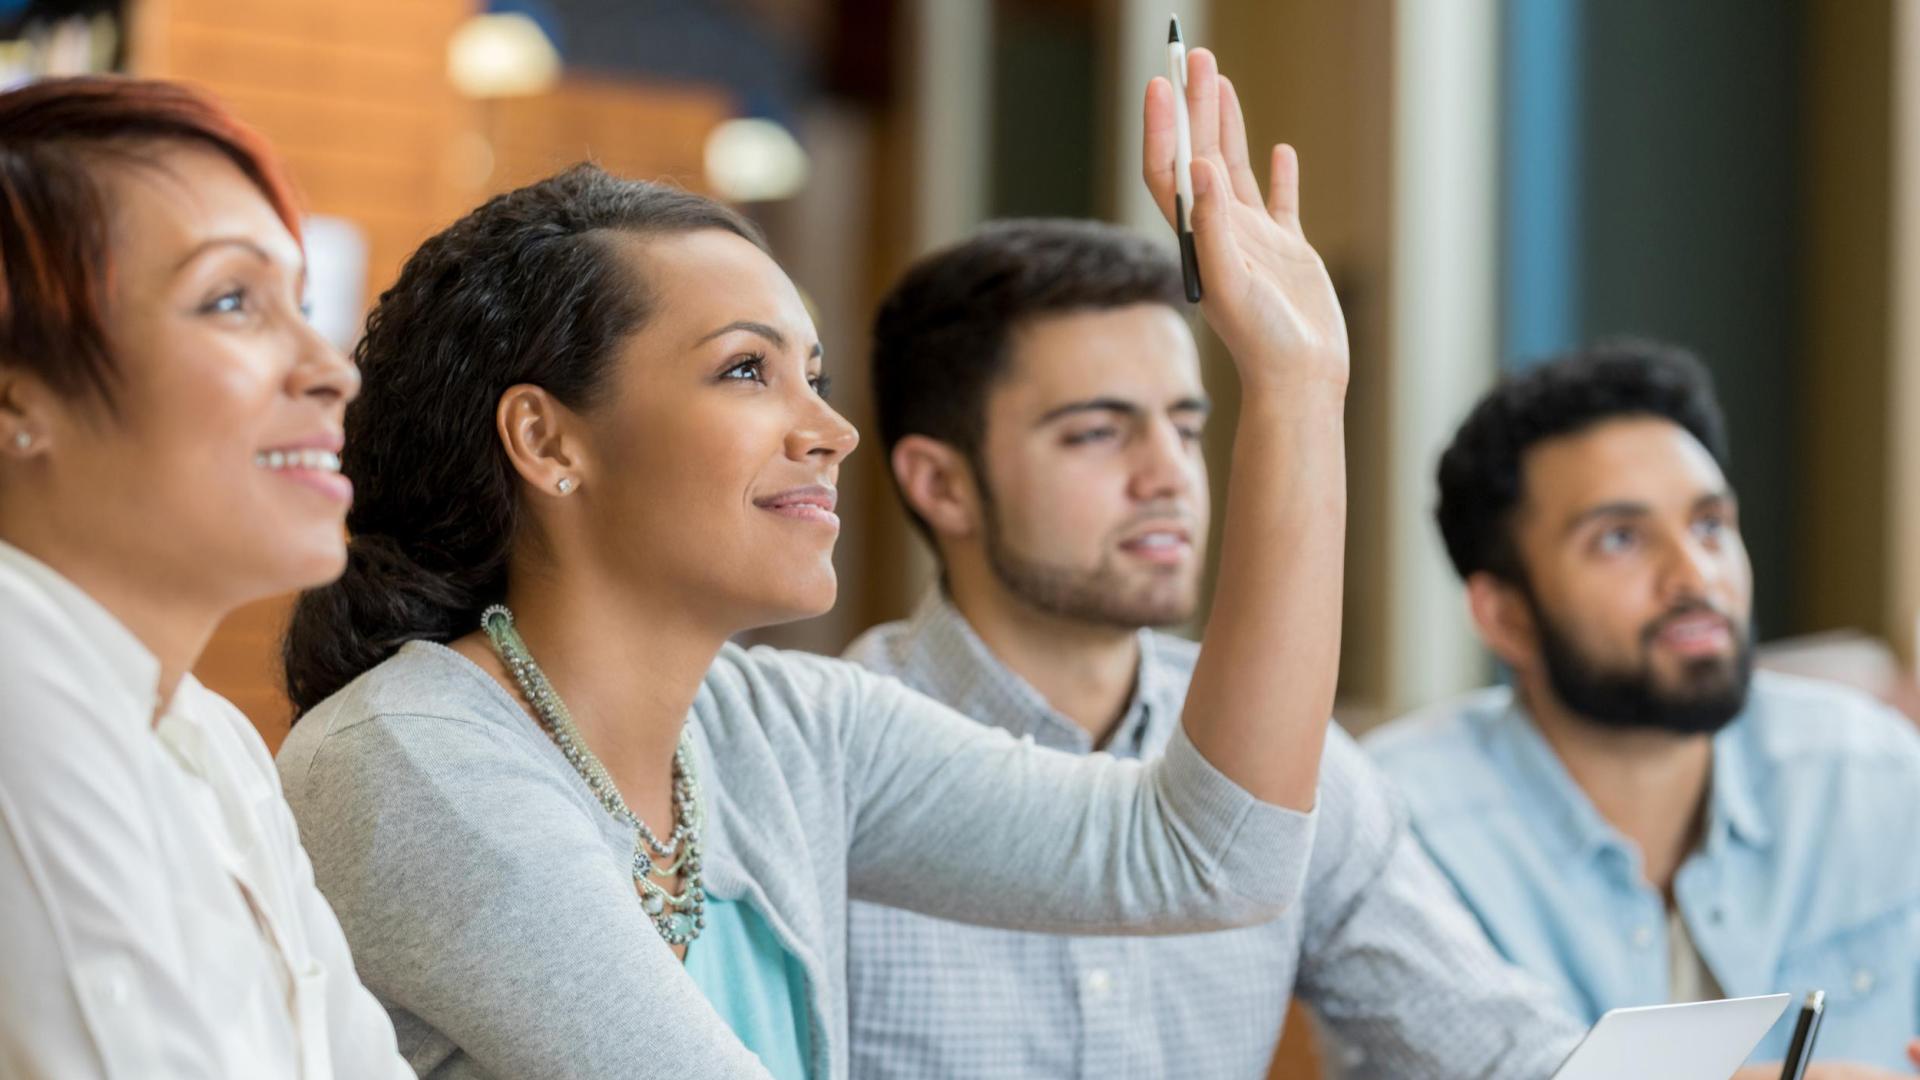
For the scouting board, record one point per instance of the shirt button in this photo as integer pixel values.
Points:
(119, 990)
(1642, 937)
(1863, 981)
(1099, 983)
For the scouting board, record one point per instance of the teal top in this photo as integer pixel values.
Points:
(755, 985)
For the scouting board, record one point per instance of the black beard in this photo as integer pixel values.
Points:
(1714, 690)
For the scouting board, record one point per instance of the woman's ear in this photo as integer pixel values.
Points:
(542, 440)
(938, 484)
(25, 430)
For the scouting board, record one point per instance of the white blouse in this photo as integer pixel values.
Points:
(158, 917)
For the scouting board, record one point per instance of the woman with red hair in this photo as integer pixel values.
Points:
(170, 431)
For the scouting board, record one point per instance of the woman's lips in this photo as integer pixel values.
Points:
(811, 504)
(315, 468)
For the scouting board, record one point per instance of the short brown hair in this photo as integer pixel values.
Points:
(55, 256)
(941, 337)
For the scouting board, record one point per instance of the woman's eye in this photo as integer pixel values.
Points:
(749, 369)
(822, 385)
(233, 300)
(1189, 434)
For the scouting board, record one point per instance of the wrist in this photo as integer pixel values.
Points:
(1292, 392)
(1290, 371)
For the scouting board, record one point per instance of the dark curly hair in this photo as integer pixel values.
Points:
(526, 289)
(1481, 470)
(940, 337)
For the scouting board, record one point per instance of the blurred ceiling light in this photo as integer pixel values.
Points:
(492, 56)
(754, 160)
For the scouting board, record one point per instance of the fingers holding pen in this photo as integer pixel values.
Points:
(1222, 261)
(1266, 292)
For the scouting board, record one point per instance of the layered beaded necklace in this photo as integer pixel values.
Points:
(679, 917)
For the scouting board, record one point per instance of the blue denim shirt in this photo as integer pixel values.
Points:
(1808, 876)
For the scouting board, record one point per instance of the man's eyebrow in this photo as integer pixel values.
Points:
(1099, 404)
(1620, 508)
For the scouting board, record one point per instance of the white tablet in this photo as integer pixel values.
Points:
(1703, 1040)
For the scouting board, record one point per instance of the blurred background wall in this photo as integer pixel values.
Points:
(1489, 181)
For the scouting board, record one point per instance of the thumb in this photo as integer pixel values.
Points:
(1213, 236)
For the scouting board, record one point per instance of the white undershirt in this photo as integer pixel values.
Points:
(1688, 978)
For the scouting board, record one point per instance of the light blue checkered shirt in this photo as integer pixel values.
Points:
(1397, 971)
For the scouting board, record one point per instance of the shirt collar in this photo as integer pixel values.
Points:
(950, 662)
(1146, 708)
(129, 662)
(1548, 788)
(1732, 804)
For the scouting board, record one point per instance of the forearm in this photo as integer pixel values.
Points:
(1263, 686)
(964, 822)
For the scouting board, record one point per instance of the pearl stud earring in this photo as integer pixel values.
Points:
(565, 485)
(22, 440)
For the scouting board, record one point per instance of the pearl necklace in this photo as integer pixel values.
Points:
(679, 917)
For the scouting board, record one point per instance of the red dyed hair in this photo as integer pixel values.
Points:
(55, 255)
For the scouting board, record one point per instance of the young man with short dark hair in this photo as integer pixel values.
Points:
(1041, 405)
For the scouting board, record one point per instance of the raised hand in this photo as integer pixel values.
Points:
(1268, 295)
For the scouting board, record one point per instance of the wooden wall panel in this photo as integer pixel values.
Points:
(1843, 378)
(648, 132)
(353, 94)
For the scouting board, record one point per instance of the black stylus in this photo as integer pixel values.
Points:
(1800, 1050)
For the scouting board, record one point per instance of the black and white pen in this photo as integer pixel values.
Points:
(1805, 1033)
(1182, 162)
